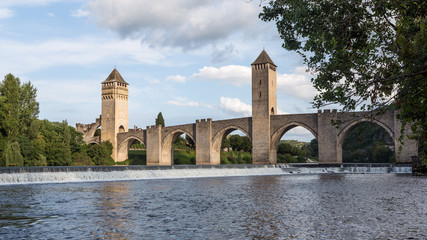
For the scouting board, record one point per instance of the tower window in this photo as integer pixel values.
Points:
(260, 94)
(260, 82)
(272, 111)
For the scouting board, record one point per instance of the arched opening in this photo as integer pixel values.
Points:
(366, 142)
(137, 153)
(179, 148)
(97, 132)
(184, 150)
(132, 151)
(121, 129)
(233, 147)
(272, 111)
(295, 143)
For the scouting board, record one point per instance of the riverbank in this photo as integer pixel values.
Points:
(27, 175)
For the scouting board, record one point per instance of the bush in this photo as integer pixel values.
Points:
(100, 154)
(301, 159)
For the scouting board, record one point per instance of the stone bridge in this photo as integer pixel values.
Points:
(264, 128)
(208, 136)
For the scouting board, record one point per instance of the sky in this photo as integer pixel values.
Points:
(189, 59)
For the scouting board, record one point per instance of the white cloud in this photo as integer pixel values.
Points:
(178, 23)
(235, 107)
(29, 56)
(296, 84)
(9, 3)
(80, 13)
(279, 112)
(231, 74)
(183, 102)
(5, 13)
(51, 14)
(176, 78)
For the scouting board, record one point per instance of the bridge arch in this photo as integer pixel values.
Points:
(219, 137)
(350, 126)
(277, 135)
(167, 145)
(124, 145)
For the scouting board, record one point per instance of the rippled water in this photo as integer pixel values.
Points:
(327, 206)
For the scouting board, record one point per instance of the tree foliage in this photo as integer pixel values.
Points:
(28, 141)
(367, 54)
(369, 143)
(159, 120)
(238, 143)
(101, 153)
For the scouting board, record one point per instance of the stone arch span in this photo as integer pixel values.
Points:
(168, 140)
(124, 145)
(277, 135)
(93, 141)
(351, 125)
(219, 137)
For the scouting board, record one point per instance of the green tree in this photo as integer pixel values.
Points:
(236, 142)
(12, 155)
(159, 120)
(57, 148)
(180, 143)
(246, 144)
(19, 107)
(100, 154)
(226, 144)
(190, 143)
(381, 153)
(364, 54)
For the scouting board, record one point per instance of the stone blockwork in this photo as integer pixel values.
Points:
(114, 110)
(264, 105)
(88, 131)
(264, 128)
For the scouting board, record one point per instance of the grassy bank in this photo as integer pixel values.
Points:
(188, 157)
(184, 157)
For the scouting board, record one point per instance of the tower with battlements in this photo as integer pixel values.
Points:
(114, 113)
(264, 105)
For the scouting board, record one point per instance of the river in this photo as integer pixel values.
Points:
(301, 206)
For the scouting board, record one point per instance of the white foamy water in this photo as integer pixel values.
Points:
(194, 172)
(88, 176)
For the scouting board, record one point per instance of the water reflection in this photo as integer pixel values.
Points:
(112, 207)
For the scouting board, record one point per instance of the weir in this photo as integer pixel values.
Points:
(37, 175)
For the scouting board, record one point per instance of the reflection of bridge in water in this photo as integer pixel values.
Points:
(264, 128)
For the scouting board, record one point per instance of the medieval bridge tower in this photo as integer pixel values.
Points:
(264, 105)
(114, 113)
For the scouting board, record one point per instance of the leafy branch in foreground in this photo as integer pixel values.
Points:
(364, 54)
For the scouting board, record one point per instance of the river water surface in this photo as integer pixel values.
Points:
(318, 206)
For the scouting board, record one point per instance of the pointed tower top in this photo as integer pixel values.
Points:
(115, 77)
(263, 58)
